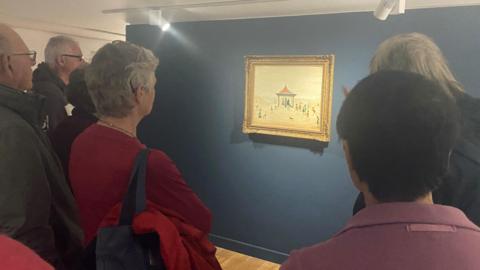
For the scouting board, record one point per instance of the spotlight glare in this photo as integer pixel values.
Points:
(166, 26)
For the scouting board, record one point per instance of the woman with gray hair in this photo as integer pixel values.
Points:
(121, 81)
(418, 53)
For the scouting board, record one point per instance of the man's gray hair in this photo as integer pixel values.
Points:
(57, 46)
(417, 53)
(116, 70)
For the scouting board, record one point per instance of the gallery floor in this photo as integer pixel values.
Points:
(230, 260)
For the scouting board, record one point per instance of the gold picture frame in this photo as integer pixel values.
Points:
(289, 96)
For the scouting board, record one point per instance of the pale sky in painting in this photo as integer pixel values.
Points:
(305, 81)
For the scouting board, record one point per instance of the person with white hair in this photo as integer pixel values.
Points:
(37, 207)
(62, 56)
(418, 53)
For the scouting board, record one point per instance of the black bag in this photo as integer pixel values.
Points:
(117, 248)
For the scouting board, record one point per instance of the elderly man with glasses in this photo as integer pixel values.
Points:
(36, 205)
(62, 56)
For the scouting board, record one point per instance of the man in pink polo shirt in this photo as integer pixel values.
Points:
(397, 130)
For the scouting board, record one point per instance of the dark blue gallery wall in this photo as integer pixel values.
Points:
(271, 195)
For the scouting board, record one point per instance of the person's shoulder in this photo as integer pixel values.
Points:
(308, 257)
(465, 98)
(158, 156)
(7, 245)
(9, 116)
(88, 134)
(469, 106)
(13, 122)
(163, 164)
(466, 152)
(74, 123)
(45, 82)
(17, 256)
(158, 153)
(66, 128)
(47, 89)
(96, 135)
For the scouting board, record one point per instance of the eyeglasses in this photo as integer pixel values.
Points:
(31, 54)
(79, 57)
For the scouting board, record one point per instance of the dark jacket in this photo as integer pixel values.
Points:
(36, 205)
(461, 187)
(63, 136)
(49, 85)
(470, 111)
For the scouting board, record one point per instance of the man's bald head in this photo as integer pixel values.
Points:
(15, 65)
(6, 36)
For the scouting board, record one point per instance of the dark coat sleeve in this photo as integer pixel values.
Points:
(469, 201)
(461, 187)
(25, 195)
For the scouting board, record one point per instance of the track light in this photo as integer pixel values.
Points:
(387, 7)
(166, 26)
(156, 18)
(151, 17)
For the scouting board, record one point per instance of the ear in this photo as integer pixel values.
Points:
(139, 93)
(60, 60)
(5, 66)
(360, 185)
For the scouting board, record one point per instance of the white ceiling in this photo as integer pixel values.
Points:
(88, 15)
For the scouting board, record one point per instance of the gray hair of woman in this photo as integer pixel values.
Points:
(116, 71)
(416, 53)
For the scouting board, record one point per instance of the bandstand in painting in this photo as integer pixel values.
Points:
(286, 98)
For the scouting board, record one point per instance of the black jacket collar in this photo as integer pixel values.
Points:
(28, 105)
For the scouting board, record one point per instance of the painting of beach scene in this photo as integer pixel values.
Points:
(289, 96)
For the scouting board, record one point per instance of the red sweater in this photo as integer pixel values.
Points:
(100, 164)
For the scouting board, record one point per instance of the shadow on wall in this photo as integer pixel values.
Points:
(259, 140)
(314, 146)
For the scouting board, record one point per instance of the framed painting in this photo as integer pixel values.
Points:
(289, 96)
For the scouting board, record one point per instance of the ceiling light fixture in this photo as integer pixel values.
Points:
(151, 17)
(387, 7)
(147, 14)
(199, 4)
(156, 18)
(166, 26)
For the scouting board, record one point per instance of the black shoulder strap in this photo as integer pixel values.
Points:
(135, 202)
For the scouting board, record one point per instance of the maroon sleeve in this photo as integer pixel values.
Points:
(167, 188)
